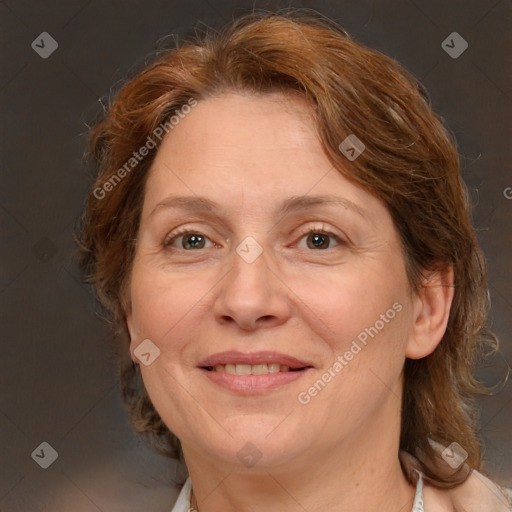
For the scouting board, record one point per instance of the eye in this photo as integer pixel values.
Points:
(188, 240)
(319, 239)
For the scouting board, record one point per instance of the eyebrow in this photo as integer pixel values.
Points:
(293, 204)
(299, 203)
(192, 203)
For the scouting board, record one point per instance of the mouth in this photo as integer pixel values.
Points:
(252, 374)
(255, 369)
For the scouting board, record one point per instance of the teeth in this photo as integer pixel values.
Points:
(247, 369)
(230, 368)
(243, 369)
(259, 369)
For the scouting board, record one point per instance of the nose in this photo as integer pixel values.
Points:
(252, 296)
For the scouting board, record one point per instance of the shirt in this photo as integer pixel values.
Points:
(183, 502)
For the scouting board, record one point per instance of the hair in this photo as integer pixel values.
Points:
(410, 163)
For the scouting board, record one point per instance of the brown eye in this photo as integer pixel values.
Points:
(318, 240)
(193, 241)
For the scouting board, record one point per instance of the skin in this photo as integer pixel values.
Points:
(249, 154)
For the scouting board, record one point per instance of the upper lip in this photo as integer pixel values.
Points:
(233, 357)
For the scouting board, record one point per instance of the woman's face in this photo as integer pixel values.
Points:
(255, 254)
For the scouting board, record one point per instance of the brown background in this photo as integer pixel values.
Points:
(57, 366)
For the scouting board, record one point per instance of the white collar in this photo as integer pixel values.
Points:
(183, 502)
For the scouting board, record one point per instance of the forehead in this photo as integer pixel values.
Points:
(240, 131)
(242, 126)
(245, 148)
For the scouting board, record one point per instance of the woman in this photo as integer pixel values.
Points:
(280, 233)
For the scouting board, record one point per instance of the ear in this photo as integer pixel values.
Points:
(127, 306)
(431, 312)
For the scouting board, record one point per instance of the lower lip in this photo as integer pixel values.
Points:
(253, 384)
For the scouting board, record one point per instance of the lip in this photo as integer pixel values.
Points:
(251, 385)
(233, 357)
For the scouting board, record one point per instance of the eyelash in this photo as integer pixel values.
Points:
(320, 230)
(315, 230)
(180, 233)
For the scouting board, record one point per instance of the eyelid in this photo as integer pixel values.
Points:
(319, 227)
(322, 229)
(179, 232)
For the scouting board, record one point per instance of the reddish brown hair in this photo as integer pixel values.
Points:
(410, 163)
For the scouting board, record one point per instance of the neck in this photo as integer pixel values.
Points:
(358, 475)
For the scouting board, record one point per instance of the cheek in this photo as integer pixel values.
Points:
(364, 368)
(364, 318)
(348, 303)
(162, 306)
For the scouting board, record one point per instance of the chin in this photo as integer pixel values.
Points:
(261, 442)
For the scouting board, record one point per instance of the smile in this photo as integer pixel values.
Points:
(255, 369)
(253, 373)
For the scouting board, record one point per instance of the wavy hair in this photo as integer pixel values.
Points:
(410, 162)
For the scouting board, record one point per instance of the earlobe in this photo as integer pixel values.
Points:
(432, 307)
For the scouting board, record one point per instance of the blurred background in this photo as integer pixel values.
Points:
(59, 62)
